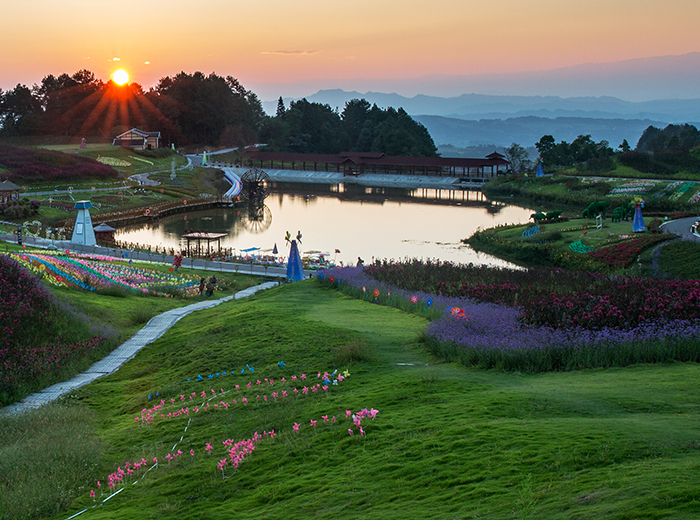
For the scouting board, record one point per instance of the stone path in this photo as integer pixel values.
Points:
(153, 330)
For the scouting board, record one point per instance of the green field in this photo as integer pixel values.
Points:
(448, 442)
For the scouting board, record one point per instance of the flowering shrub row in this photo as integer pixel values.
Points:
(540, 333)
(554, 297)
(44, 165)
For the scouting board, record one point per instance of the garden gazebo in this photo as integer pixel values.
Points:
(199, 237)
(8, 191)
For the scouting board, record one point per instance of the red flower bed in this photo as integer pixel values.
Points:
(622, 254)
(622, 302)
(44, 165)
(554, 297)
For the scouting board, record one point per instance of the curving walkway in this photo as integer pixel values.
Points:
(153, 330)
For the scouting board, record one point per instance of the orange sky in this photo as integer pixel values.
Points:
(281, 41)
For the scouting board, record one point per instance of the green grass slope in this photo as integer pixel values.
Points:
(448, 442)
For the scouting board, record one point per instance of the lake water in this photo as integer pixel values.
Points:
(391, 223)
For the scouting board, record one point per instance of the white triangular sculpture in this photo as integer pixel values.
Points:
(83, 232)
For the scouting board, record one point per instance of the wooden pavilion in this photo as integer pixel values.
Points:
(199, 237)
(8, 191)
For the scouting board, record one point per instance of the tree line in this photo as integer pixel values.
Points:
(665, 151)
(204, 110)
(307, 127)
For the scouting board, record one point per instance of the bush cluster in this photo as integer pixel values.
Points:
(19, 209)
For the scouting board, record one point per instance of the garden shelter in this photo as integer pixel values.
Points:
(202, 236)
(104, 231)
(8, 191)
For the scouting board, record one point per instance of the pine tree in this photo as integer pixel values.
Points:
(280, 107)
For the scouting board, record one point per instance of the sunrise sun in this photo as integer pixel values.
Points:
(120, 77)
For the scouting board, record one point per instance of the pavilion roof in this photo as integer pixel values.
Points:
(9, 186)
(493, 159)
(200, 235)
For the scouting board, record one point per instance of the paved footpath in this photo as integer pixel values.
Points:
(153, 330)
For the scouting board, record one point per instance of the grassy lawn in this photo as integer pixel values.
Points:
(577, 229)
(122, 313)
(680, 259)
(551, 245)
(574, 194)
(630, 173)
(136, 163)
(448, 442)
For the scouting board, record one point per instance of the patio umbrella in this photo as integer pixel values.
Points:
(274, 249)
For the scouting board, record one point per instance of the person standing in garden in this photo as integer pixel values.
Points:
(177, 261)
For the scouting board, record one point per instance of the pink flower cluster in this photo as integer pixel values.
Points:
(149, 414)
(356, 419)
(238, 452)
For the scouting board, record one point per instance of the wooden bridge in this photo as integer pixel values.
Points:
(156, 211)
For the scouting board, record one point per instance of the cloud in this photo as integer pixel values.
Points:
(292, 53)
(116, 59)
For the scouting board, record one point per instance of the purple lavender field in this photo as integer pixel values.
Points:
(522, 332)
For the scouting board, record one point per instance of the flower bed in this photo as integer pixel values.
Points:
(621, 320)
(112, 161)
(43, 165)
(91, 272)
(623, 253)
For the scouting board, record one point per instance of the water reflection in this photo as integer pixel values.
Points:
(360, 221)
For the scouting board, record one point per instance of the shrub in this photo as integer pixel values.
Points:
(19, 209)
(597, 165)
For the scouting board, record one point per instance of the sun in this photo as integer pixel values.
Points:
(120, 77)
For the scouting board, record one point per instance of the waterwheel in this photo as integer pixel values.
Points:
(255, 182)
(257, 217)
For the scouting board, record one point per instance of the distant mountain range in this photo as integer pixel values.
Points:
(504, 112)
(475, 119)
(528, 130)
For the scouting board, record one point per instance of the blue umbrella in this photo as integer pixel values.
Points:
(274, 249)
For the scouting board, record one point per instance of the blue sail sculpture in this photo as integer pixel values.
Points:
(638, 222)
(295, 269)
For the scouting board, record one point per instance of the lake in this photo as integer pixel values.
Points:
(366, 222)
